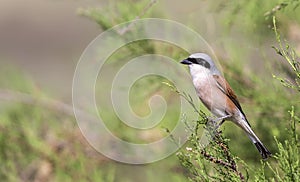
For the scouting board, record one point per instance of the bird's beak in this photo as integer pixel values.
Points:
(185, 61)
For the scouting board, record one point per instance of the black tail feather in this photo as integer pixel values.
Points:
(264, 152)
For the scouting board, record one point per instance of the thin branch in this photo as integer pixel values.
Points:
(143, 12)
(215, 160)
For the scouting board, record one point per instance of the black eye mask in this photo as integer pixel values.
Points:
(199, 61)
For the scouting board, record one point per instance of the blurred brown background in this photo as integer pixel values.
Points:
(45, 38)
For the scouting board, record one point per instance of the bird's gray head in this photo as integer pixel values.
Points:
(203, 60)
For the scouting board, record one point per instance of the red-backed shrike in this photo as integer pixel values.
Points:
(217, 95)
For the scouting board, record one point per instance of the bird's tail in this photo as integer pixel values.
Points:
(264, 152)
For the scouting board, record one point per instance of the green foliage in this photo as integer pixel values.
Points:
(246, 14)
(254, 18)
(290, 57)
(123, 12)
(281, 6)
(212, 163)
(38, 141)
(117, 12)
(288, 156)
(287, 159)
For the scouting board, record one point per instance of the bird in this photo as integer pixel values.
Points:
(218, 97)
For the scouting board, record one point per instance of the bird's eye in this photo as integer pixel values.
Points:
(206, 65)
(199, 61)
(203, 63)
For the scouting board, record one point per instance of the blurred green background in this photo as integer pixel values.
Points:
(42, 40)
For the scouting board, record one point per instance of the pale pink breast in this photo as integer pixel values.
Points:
(211, 96)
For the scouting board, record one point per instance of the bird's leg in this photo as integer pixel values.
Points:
(222, 119)
(215, 121)
(214, 124)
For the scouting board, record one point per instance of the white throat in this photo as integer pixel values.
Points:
(198, 71)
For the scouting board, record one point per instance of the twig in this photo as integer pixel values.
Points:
(143, 12)
(223, 163)
(230, 163)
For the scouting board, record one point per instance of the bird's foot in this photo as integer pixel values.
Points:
(215, 123)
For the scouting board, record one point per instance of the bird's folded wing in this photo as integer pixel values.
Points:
(227, 90)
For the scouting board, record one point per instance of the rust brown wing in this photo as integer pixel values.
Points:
(227, 90)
